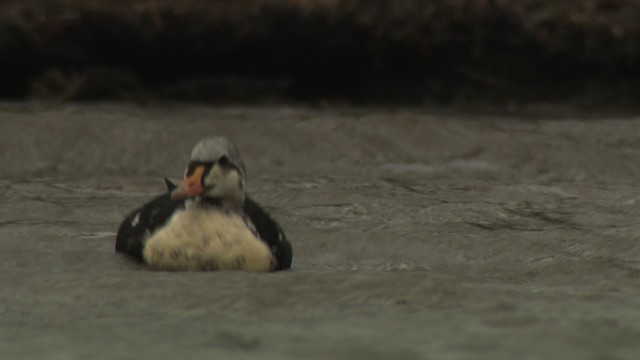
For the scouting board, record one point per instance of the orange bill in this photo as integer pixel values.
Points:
(190, 186)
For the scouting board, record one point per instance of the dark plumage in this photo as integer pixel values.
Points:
(158, 213)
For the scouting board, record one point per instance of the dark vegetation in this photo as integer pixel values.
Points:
(349, 51)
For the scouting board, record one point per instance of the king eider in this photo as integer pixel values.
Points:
(207, 222)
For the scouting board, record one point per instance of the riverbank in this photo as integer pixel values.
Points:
(509, 53)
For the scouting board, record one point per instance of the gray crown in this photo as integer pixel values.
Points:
(214, 147)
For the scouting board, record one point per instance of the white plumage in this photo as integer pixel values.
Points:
(207, 239)
(207, 222)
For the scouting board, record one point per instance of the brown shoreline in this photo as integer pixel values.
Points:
(361, 52)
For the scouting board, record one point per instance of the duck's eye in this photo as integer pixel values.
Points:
(223, 161)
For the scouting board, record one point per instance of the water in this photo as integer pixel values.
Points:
(417, 234)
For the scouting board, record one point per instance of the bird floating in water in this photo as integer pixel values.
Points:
(207, 222)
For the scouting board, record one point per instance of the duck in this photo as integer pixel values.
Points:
(207, 222)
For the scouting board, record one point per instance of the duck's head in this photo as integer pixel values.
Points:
(215, 172)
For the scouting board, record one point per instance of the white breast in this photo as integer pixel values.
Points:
(207, 239)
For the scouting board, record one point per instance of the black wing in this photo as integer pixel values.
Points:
(143, 221)
(270, 232)
(267, 228)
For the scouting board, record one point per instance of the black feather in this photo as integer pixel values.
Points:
(270, 232)
(151, 216)
(156, 213)
(170, 186)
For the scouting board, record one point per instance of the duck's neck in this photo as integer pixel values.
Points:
(235, 204)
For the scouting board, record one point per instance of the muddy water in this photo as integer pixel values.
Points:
(417, 235)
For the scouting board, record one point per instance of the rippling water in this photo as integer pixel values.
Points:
(416, 235)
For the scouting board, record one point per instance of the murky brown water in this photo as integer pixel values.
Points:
(416, 235)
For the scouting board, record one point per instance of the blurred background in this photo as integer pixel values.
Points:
(585, 52)
(423, 226)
